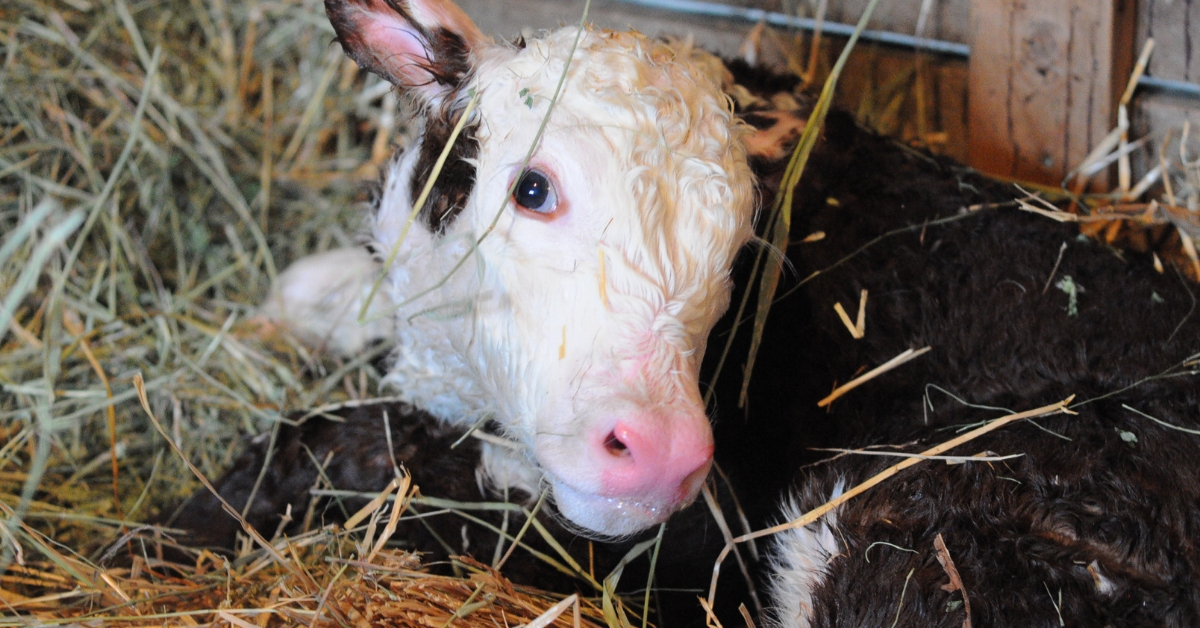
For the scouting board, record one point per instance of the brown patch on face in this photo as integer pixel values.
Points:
(457, 178)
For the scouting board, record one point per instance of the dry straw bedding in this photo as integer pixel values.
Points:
(159, 161)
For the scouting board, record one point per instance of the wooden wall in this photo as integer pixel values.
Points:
(1045, 79)
(869, 85)
(1175, 27)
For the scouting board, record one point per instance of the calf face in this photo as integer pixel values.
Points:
(570, 260)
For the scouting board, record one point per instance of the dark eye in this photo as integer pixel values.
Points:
(535, 193)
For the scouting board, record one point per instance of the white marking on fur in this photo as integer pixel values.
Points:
(1104, 586)
(799, 559)
(319, 297)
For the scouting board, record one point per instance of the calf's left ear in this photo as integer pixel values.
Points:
(422, 45)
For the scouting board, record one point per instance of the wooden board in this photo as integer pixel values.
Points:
(1044, 79)
(947, 20)
(1175, 27)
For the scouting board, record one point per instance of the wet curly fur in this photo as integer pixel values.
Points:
(1096, 522)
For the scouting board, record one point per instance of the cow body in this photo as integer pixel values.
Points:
(1092, 519)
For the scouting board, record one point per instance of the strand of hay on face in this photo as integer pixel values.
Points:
(906, 356)
(533, 146)
(723, 525)
(815, 514)
(419, 203)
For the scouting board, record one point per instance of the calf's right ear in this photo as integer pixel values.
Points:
(422, 45)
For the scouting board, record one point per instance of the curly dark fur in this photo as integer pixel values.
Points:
(1122, 494)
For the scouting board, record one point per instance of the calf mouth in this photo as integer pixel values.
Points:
(610, 517)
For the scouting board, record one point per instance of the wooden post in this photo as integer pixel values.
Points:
(1045, 76)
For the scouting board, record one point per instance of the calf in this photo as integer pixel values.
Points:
(580, 331)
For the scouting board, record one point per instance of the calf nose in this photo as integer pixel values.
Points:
(656, 457)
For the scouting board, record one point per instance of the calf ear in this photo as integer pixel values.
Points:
(422, 45)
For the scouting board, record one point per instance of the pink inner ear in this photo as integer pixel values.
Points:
(390, 38)
(396, 45)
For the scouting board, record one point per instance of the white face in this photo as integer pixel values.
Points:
(580, 321)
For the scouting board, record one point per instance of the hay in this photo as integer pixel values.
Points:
(318, 588)
(159, 160)
(177, 192)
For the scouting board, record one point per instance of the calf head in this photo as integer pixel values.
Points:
(569, 295)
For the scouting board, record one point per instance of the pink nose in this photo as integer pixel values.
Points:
(656, 458)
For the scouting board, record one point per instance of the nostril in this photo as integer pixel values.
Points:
(614, 445)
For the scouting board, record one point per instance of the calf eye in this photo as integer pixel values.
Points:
(535, 193)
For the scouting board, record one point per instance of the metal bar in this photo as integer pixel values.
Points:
(695, 7)
(1180, 88)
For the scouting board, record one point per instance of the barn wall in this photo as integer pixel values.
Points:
(947, 20)
(508, 18)
(1175, 27)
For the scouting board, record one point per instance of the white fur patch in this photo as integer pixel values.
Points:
(1104, 586)
(319, 299)
(799, 562)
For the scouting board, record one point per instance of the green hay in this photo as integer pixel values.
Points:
(135, 139)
